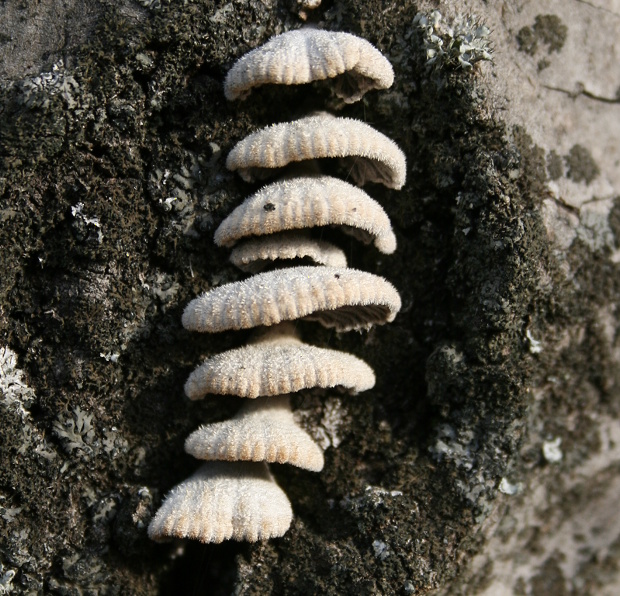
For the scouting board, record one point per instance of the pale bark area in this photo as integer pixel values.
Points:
(560, 532)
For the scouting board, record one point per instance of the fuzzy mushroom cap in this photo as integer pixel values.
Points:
(275, 367)
(306, 202)
(343, 299)
(255, 254)
(307, 55)
(366, 154)
(263, 430)
(224, 500)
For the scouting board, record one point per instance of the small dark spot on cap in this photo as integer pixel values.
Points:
(269, 207)
(337, 275)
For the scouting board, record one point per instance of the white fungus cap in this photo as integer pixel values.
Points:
(263, 430)
(255, 254)
(224, 500)
(277, 364)
(306, 202)
(343, 299)
(365, 153)
(307, 55)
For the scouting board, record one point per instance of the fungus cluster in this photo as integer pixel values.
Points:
(233, 495)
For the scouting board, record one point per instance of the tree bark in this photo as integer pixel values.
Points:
(484, 461)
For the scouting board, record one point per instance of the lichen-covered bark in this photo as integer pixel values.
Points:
(111, 184)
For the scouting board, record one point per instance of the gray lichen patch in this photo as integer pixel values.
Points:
(594, 229)
(555, 165)
(38, 91)
(16, 400)
(76, 432)
(548, 29)
(581, 165)
(458, 43)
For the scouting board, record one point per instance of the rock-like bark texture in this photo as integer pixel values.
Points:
(486, 458)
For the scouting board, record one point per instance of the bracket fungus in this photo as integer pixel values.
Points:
(223, 500)
(263, 430)
(256, 254)
(275, 366)
(236, 499)
(366, 154)
(345, 299)
(307, 202)
(307, 55)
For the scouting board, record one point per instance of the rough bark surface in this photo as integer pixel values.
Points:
(485, 460)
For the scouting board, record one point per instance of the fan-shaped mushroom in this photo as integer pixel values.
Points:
(307, 202)
(366, 154)
(223, 500)
(307, 55)
(276, 367)
(345, 299)
(255, 254)
(263, 430)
